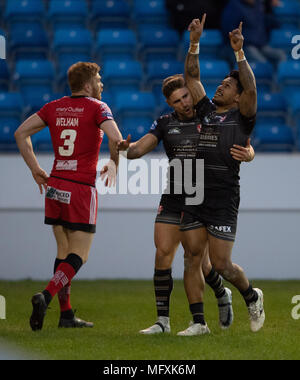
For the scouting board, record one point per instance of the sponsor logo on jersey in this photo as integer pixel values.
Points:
(153, 126)
(70, 109)
(174, 131)
(199, 127)
(221, 118)
(58, 195)
(66, 165)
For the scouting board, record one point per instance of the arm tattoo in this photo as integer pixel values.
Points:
(192, 67)
(247, 77)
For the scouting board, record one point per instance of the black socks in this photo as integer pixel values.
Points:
(163, 285)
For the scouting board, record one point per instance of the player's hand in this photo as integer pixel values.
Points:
(196, 29)
(41, 178)
(236, 38)
(124, 144)
(242, 153)
(109, 173)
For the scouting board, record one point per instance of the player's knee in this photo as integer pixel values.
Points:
(223, 267)
(163, 252)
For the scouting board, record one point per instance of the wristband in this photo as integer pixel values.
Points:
(240, 55)
(194, 48)
(124, 152)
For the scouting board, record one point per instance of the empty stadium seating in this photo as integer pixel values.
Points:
(273, 138)
(136, 47)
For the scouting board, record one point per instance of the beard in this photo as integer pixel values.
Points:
(217, 102)
(96, 93)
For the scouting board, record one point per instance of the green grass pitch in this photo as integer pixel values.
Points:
(120, 308)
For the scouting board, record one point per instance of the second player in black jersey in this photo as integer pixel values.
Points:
(228, 119)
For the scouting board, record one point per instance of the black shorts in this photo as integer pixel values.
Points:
(170, 209)
(219, 216)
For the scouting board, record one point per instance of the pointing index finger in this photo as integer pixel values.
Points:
(241, 26)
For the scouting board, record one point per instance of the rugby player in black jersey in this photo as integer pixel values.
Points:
(180, 133)
(226, 120)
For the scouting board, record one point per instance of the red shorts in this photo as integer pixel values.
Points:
(70, 204)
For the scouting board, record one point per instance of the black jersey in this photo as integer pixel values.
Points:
(219, 132)
(180, 140)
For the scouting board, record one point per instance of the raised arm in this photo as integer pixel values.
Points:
(192, 66)
(248, 98)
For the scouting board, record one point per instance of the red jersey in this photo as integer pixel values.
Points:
(76, 137)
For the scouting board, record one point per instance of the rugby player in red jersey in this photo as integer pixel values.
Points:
(77, 124)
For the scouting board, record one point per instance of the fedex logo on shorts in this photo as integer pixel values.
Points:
(58, 195)
(222, 228)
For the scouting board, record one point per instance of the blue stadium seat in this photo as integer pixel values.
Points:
(134, 104)
(120, 43)
(63, 12)
(288, 12)
(4, 75)
(64, 61)
(8, 126)
(271, 106)
(210, 90)
(137, 127)
(158, 43)
(211, 43)
(11, 104)
(108, 98)
(35, 97)
(42, 140)
(264, 75)
(28, 40)
(24, 10)
(288, 78)
(72, 40)
(158, 70)
(294, 105)
(213, 71)
(282, 39)
(162, 107)
(34, 72)
(274, 138)
(110, 14)
(125, 73)
(150, 11)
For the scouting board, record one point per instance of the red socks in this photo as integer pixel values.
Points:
(64, 271)
(63, 275)
(64, 298)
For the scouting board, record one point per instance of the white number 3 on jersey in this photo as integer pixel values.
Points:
(69, 135)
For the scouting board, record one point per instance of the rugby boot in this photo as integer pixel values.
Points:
(74, 322)
(195, 329)
(161, 326)
(256, 312)
(225, 309)
(39, 311)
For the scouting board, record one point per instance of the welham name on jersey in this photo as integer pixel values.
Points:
(67, 121)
